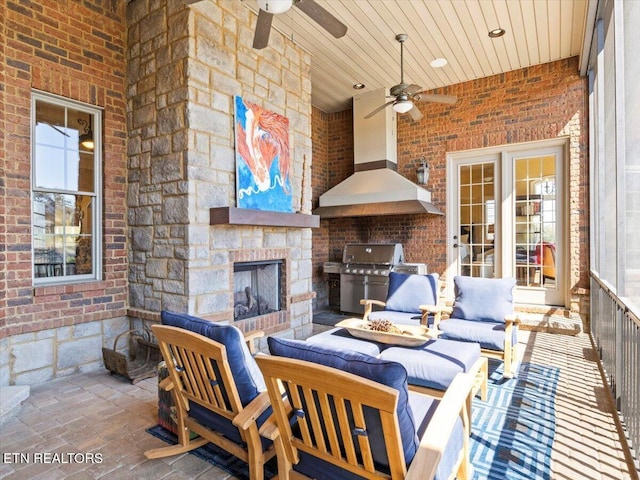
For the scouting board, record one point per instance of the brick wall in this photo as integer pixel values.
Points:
(536, 103)
(75, 49)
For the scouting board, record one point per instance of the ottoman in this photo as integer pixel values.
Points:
(430, 367)
(433, 366)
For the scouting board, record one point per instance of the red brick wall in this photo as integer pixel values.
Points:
(535, 103)
(332, 136)
(76, 49)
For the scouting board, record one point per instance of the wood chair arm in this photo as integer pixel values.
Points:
(252, 411)
(250, 338)
(434, 440)
(439, 312)
(368, 306)
(269, 429)
(166, 384)
(511, 320)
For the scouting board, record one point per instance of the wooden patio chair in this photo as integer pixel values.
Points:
(336, 424)
(482, 312)
(208, 399)
(406, 295)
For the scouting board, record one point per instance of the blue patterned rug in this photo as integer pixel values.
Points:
(512, 434)
(216, 456)
(511, 439)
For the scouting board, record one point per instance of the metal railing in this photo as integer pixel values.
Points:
(616, 334)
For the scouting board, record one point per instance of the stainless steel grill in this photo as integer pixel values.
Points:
(364, 272)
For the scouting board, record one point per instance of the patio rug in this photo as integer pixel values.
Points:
(216, 456)
(511, 438)
(512, 433)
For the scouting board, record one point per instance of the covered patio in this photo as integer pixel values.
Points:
(95, 412)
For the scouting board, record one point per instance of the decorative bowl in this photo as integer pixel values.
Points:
(411, 336)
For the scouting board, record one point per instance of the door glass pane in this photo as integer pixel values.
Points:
(477, 220)
(535, 221)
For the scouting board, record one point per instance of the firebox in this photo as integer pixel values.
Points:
(256, 288)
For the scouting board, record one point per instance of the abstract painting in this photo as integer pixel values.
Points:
(262, 158)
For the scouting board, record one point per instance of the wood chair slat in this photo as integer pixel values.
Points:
(331, 427)
(313, 419)
(363, 440)
(345, 431)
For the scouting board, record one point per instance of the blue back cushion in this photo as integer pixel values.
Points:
(483, 299)
(385, 372)
(245, 371)
(408, 291)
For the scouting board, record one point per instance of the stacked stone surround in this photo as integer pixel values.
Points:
(186, 64)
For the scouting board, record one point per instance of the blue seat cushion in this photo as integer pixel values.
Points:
(341, 339)
(408, 291)
(436, 363)
(489, 335)
(385, 372)
(483, 299)
(402, 318)
(423, 410)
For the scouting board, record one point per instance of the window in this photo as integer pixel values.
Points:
(66, 146)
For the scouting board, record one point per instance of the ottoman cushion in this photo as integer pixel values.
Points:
(436, 363)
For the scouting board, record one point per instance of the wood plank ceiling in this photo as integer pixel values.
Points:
(537, 31)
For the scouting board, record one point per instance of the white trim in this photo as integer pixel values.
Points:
(503, 155)
(97, 194)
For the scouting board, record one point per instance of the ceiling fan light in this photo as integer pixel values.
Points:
(275, 6)
(403, 106)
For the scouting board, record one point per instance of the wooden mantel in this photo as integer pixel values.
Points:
(247, 216)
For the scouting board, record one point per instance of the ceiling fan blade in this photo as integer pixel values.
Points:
(323, 18)
(415, 113)
(380, 108)
(263, 28)
(432, 97)
(412, 89)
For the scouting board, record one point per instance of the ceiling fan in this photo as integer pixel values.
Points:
(405, 95)
(269, 8)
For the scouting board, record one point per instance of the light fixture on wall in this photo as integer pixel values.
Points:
(86, 139)
(422, 173)
(275, 6)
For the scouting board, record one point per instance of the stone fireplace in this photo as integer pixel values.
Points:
(186, 234)
(261, 291)
(256, 288)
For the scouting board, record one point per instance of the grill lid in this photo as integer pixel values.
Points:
(373, 254)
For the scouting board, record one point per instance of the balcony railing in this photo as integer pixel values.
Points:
(616, 333)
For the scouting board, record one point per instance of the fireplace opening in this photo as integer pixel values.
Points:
(256, 288)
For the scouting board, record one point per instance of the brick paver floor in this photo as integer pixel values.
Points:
(97, 422)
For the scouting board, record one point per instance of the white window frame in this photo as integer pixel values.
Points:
(96, 224)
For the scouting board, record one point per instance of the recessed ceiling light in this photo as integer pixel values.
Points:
(438, 62)
(358, 86)
(497, 32)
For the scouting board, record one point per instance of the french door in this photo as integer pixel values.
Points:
(506, 218)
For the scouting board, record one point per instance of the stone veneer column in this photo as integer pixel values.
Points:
(186, 63)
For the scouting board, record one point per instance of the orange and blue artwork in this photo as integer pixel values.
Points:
(263, 179)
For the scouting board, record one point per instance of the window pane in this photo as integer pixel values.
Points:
(62, 234)
(49, 167)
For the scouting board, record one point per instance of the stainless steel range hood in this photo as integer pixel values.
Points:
(375, 188)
